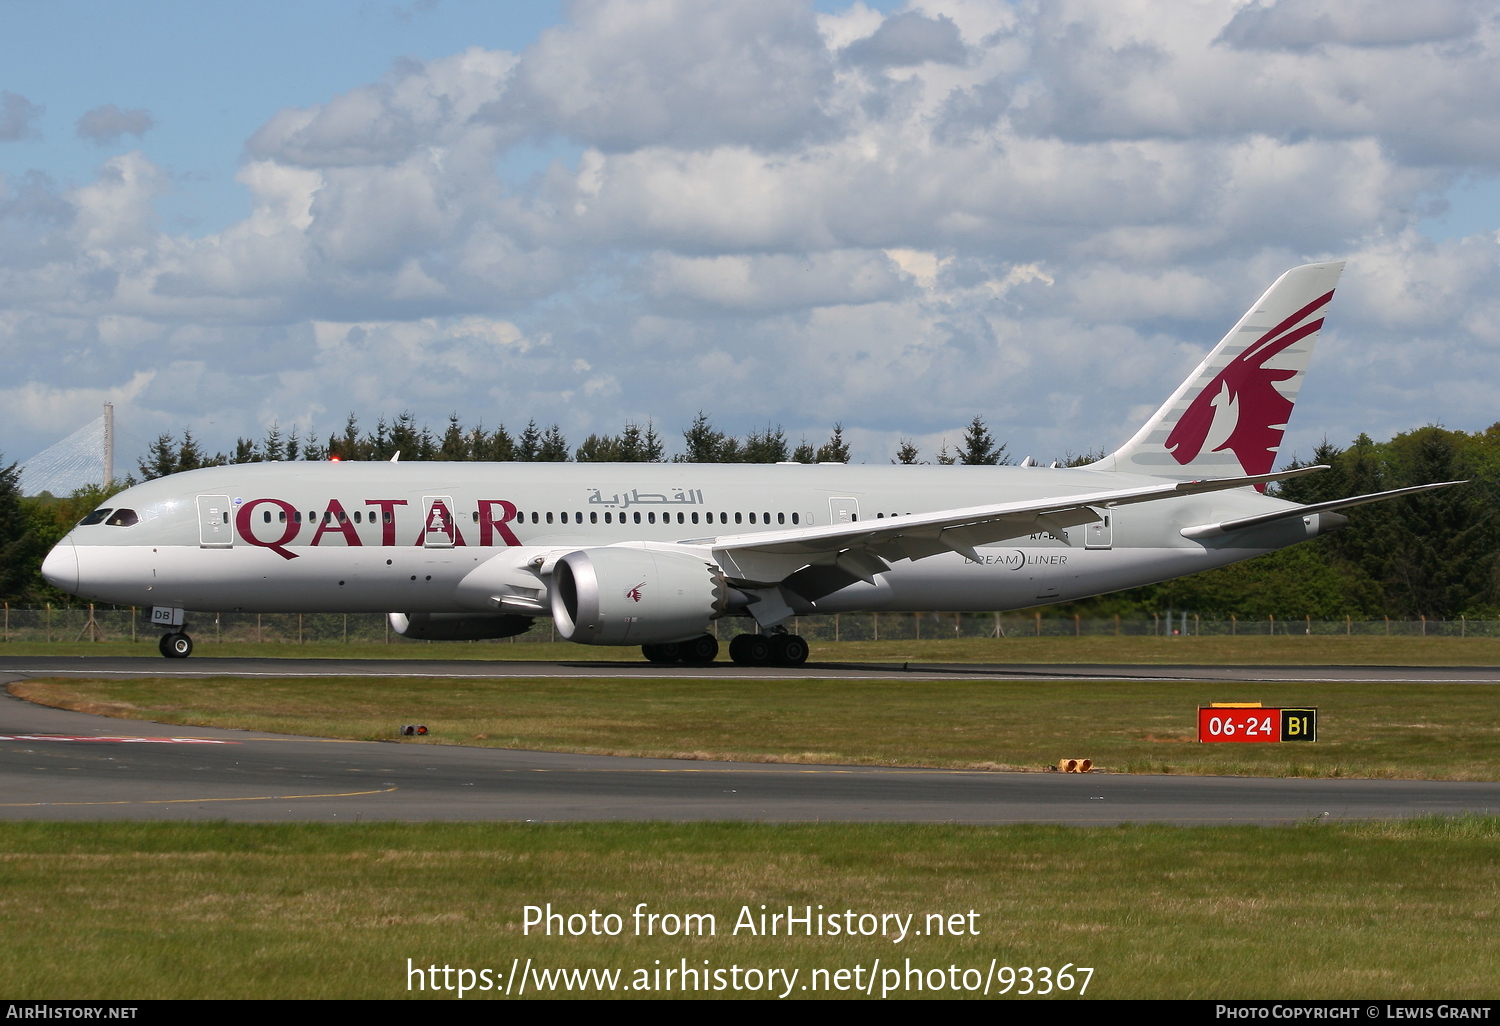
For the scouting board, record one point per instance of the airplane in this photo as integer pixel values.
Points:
(650, 554)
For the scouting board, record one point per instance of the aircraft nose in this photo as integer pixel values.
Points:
(60, 568)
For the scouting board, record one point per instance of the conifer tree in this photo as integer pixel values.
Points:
(835, 450)
(979, 448)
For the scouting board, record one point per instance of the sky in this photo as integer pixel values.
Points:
(893, 216)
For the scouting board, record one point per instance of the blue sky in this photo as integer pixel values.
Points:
(211, 73)
(891, 215)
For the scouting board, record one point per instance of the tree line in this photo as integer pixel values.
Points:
(1435, 555)
(635, 443)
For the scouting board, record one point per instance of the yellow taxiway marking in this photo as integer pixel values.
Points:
(195, 801)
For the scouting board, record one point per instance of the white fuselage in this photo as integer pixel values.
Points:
(451, 537)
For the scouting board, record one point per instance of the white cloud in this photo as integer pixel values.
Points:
(676, 73)
(1042, 214)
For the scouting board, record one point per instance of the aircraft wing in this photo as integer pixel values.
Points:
(865, 548)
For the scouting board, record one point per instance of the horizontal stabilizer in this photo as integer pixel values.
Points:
(1245, 523)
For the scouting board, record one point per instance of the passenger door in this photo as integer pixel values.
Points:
(215, 531)
(438, 530)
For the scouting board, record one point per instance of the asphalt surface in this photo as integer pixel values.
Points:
(196, 666)
(66, 765)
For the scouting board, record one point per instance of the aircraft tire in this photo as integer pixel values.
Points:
(662, 654)
(701, 651)
(753, 650)
(737, 649)
(788, 650)
(176, 645)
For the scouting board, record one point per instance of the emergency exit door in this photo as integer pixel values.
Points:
(843, 509)
(1101, 533)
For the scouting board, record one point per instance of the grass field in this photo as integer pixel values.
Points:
(1256, 650)
(172, 910)
(1444, 731)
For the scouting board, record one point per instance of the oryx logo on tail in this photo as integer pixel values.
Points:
(1228, 418)
(1246, 390)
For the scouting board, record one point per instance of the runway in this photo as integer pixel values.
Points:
(200, 666)
(59, 765)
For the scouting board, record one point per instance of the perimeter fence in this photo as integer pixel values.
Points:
(72, 625)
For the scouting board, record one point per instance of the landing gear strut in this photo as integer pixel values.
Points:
(176, 645)
(768, 650)
(699, 651)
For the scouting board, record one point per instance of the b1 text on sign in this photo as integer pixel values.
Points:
(1257, 725)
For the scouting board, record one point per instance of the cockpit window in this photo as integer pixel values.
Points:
(123, 518)
(96, 517)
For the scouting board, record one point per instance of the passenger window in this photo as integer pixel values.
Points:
(564, 516)
(765, 518)
(752, 518)
(651, 517)
(281, 516)
(638, 516)
(879, 516)
(736, 518)
(476, 516)
(695, 517)
(593, 517)
(781, 518)
(577, 518)
(795, 518)
(723, 518)
(680, 518)
(267, 515)
(96, 517)
(608, 519)
(549, 517)
(386, 517)
(123, 518)
(534, 517)
(343, 517)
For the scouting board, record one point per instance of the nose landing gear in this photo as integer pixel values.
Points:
(176, 645)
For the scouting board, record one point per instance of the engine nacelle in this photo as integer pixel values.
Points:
(634, 596)
(457, 626)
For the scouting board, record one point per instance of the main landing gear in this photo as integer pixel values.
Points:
(780, 649)
(768, 650)
(699, 651)
(176, 645)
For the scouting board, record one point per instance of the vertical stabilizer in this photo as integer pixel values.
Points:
(1227, 418)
